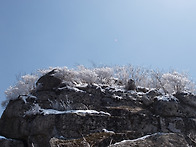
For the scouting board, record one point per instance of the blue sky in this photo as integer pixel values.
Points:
(37, 34)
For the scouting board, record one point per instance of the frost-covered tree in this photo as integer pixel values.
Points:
(166, 83)
(177, 82)
(23, 87)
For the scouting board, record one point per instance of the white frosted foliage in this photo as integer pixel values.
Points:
(176, 82)
(23, 87)
(115, 77)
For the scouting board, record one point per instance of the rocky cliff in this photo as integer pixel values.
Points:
(55, 114)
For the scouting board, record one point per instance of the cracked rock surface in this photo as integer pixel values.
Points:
(58, 115)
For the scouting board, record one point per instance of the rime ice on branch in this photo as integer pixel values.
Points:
(117, 76)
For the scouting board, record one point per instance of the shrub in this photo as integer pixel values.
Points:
(167, 83)
(177, 82)
(23, 87)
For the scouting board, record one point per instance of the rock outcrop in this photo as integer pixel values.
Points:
(58, 115)
(11, 143)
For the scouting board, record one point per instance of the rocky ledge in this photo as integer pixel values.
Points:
(59, 115)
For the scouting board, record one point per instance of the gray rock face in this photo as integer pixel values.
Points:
(11, 143)
(97, 115)
(155, 140)
(131, 85)
(48, 82)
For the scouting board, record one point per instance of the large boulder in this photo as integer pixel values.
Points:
(131, 85)
(11, 143)
(98, 115)
(48, 82)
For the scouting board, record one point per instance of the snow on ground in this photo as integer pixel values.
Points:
(71, 88)
(38, 110)
(2, 137)
(117, 97)
(107, 131)
(24, 97)
(83, 85)
(116, 88)
(79, 112)
(141, 138)
(98, 86)
(167, 98)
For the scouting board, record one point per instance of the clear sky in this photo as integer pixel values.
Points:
(38, 34)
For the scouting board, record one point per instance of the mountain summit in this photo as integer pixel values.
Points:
(100, 107)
